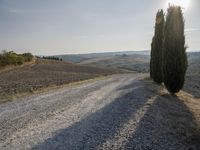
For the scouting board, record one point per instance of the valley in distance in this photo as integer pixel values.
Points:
(99, 100)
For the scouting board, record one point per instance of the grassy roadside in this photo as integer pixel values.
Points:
(12, 67)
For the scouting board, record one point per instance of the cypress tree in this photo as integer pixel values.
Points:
(157, 48)
(174, 50)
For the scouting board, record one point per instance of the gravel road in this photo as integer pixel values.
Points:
(117, 112)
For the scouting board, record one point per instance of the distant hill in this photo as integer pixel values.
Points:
(45, 73)
(134, 62)
(129, 60)
(78, 58)
(192, 84)
(194, 63)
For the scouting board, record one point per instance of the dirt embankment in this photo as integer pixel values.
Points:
(43, 73)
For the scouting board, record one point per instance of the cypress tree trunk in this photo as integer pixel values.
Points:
(174, 52)
(156, 48)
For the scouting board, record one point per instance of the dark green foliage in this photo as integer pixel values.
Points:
(156, 48)
(174, 50)
(12, 58)
(27, 57)
(52, 58)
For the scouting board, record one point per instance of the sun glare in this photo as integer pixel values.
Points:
(183, 3)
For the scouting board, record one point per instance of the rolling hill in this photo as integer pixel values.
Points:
(139, 62)
(45, 73)
(129, 60)
(78, 58)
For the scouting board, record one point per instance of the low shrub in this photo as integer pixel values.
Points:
(52, 58)
(27, 57)
(12, 58)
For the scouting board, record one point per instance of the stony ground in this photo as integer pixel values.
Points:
(118, 112)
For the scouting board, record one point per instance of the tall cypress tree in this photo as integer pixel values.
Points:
(174, 50)
(156, 48)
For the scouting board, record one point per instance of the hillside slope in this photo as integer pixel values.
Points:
(139, 63)
(44, 73)
(78, 58)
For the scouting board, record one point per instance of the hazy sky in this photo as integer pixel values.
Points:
(82, 26)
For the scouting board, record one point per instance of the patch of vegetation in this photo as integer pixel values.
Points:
(156, 48)
(170, 65)
(174, 50)
(12, 58)
(52, 58)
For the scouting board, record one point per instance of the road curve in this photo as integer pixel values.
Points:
(110, 113)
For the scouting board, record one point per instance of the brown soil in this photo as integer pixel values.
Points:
(44, 73)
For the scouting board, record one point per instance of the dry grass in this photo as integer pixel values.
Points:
(12, 67)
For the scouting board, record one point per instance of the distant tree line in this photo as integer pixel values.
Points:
(12, 58)
(168, 62)
(52, 58)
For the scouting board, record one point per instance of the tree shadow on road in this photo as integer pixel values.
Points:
(96, 128)
(168, 124)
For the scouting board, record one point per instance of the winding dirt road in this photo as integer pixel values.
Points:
(117, 112)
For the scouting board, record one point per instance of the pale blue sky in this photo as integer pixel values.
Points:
(83, 26)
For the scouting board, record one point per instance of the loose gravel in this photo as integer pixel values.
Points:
(118, 112)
